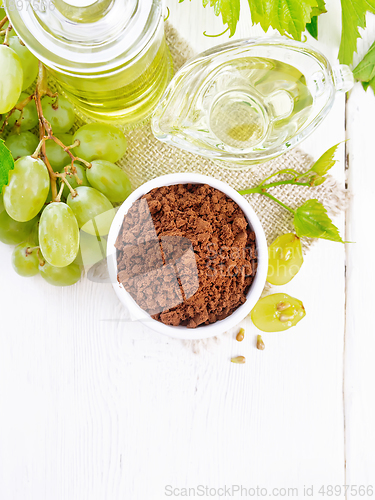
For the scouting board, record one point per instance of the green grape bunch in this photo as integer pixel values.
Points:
(53, 183)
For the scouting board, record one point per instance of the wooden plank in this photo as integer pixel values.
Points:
(360, 339)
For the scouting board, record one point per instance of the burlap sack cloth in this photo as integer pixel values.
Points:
(147, 158)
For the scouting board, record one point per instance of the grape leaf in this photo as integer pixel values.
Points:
(320, 9)
(353, 17)
(371, 84)
(325, 162)
(312, 27)
(286, 16)
(365, 70)
(311, 220)
(6, 164)
(229, 10)
(318, 180)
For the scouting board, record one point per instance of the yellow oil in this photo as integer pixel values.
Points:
(243, 132)
(129, 95)
(279, 87)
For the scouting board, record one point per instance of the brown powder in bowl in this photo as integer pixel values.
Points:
(186, 254)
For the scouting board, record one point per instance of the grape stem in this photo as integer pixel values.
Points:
(41, 261)
(39, 148)
(73, 192)
(40, 91)
(30, 250)
(295, 181)
(263, 187)
(68, 148)
(169, 13)
(3, 21)
(5, 123)
(59, 194)
(74, 145)
(289, 171)
(46, 133)
(263, 190)
(55, 105)
(18, 107)
(6, 38)
(279, 202)
(215, 36)
(21, 107)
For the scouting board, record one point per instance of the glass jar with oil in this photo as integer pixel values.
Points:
(248, 101)
(109, 56)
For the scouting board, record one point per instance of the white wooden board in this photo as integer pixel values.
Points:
(103, 410)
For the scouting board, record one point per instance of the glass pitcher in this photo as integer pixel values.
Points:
(109, 56)
(248, 101)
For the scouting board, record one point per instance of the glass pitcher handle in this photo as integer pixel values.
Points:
(343, 78)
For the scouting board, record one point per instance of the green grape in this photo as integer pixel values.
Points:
(29, 62)
(27, 190)
(109, 179)
(58, 234)
(60, 276)
(100, 141)
(60, 117)
(29, 118)
(23, 144)
(94, 212)
(11, 76)
(57, 157)
(92, 249)
(13, 232)
(284, 259)
(277, 312)
(34, 234)
(49, 196)
(24, 262)
(81, 172)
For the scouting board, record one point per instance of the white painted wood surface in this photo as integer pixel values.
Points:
(360, 329)
(108, 410)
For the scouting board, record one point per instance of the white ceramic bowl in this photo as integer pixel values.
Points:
(256, 287)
